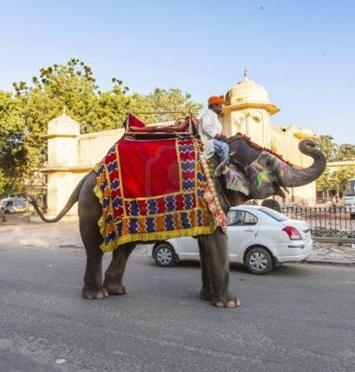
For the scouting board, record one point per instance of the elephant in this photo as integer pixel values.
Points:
(246, 160)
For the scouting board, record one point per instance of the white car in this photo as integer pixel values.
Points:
(258, 237)
(13, 205)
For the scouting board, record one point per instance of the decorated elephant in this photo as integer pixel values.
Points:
(249, 173)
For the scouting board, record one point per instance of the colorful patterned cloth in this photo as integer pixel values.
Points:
(152, 190)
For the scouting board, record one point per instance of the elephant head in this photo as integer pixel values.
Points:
(252, 172)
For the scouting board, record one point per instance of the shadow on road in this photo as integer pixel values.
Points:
(287, 270)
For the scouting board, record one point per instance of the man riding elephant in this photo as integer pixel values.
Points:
(210, 129)
(111, 215)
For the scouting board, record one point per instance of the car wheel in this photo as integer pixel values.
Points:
(164, 255)
(259, 260)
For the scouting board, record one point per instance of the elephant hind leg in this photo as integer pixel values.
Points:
(89, 213)
(93, 288)
(114, 273)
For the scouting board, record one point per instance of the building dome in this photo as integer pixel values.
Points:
(247, 93)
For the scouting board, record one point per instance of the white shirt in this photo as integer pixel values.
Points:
(208, 127)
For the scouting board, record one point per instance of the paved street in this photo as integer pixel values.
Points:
(17, 231)
(298, 318)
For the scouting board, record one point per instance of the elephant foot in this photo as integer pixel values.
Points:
(228, 301)
(94, 294)
(206, 294)
(115, 289)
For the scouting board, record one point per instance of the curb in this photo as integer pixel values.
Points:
(335, 263)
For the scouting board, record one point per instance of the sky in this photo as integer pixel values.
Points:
(301, 51)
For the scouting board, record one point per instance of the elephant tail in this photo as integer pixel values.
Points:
(74, 197)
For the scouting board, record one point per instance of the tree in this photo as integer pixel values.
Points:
(12, 150)
(2, 183)
(334, 152)
(335, 180)
(172, 101)
(324, 182)
(341, 177)
(345, 151)
(70, 88)
(328, 147)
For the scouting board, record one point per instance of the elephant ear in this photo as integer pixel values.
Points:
(236, 180)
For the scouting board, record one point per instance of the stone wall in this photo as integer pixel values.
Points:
(71, 155)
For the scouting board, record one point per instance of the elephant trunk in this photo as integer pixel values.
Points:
(292, 177)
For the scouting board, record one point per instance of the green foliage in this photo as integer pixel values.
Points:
(342, 176)
(328, 147)
(324, 182)
(334, 152)
(13, 154)
(2, 183)
(335, 180)
(72, 88)
(172, 101)
(345, 151)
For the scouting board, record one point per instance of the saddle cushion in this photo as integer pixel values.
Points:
(152, 190)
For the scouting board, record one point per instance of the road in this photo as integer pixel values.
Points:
(298, 318)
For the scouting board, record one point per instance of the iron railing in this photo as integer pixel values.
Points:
(332, 221)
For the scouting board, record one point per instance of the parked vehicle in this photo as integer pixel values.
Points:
(13, 205)
(259, 237)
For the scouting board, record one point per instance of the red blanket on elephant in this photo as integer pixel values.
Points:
(150, 190)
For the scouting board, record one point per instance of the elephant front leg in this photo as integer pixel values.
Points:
(114, 273)
(206, 290)
(215, 270)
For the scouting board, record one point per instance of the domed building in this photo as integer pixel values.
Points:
(247, 93)
(248, 110)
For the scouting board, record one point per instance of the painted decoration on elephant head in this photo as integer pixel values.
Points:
(264, 171)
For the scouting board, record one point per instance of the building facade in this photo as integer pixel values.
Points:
(71, 155)
(249, 111)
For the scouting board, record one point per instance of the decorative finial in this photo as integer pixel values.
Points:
(64, 110)
(245, 77)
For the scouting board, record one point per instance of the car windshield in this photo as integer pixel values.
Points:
(273, 214)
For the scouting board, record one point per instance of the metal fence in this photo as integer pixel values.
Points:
(334, 222)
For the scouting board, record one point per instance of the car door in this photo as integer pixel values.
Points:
(242, 232)
(188, 248)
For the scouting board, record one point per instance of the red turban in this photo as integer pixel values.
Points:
(216, 100)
